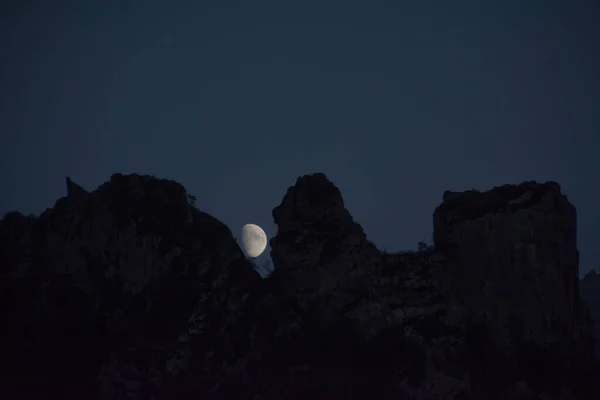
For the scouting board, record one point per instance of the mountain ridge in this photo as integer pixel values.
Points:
(129, 291)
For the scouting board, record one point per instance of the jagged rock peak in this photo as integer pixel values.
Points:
(312, 214)
(319, 247)
(313, 199)
(73, 189)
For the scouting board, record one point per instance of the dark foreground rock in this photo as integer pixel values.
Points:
(129, 292)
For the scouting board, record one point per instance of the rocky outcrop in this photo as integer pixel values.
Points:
(104, 294)
(511, 247)
(322, 256)
(130, 292)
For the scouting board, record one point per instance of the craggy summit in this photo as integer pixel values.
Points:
(130, 292)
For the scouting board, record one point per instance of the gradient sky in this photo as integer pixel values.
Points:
(236, 99)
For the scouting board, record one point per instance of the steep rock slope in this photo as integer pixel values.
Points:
(130, 292)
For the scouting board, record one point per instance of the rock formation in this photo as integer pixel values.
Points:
(129, 292)
(511, 247)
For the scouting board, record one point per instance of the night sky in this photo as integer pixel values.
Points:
(236, 99)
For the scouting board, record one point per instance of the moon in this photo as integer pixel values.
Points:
(254, 240)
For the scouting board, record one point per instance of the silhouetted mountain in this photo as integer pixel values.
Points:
(131, 292)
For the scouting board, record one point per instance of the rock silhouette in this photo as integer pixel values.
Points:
(130, 292)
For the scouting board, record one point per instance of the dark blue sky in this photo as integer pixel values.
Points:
(236, 99)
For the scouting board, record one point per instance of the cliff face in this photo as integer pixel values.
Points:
(130, 292)
(512, 247)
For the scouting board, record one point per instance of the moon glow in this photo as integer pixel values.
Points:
(254, 240)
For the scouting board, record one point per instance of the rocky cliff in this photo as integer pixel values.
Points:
(129, 292)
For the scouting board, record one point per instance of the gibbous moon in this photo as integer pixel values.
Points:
(254, 240)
